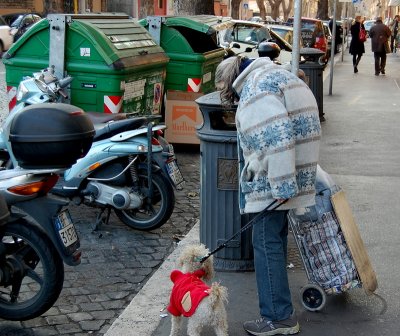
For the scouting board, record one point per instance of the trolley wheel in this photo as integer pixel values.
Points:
(313, 297)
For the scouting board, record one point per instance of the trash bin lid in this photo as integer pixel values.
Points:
(120, 41)
(119, 38)
(216, 117)
(208, 24)
(212, 99)
(311, 52)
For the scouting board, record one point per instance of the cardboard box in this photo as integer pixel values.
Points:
(182, 115)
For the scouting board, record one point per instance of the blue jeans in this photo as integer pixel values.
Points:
(270, 254)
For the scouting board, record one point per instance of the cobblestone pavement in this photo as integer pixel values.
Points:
(116, 263)
(116, 260)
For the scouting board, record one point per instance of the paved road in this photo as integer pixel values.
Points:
(116, 261)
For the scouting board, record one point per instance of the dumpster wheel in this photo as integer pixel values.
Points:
(313, 297)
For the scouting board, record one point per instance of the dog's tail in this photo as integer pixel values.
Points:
(218, 293)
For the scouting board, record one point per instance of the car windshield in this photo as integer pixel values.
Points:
(286, 34)
(16, 21)
(246, 34)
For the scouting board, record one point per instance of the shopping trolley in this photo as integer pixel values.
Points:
(327, 261)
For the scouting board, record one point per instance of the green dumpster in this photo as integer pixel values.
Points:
(115, 63)
(191, 44)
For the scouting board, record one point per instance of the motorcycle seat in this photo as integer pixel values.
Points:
(112, 128)
(102, 118)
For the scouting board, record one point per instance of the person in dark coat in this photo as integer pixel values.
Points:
(356, 46)
(338, 34)
(380, 35)
(394, 28)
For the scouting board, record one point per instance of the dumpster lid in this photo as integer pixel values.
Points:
(121, 41)
(208, 24)
(127, 37)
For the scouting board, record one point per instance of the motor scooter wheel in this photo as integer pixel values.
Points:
(32, 272)
(155, 212)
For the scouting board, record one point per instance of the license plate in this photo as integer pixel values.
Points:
(175, 173)
(66, 228)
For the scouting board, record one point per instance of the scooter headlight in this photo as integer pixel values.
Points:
(142, 148)
(22, 91)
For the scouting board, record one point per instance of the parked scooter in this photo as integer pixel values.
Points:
(36, 231)
(32, 251)
(130, 167)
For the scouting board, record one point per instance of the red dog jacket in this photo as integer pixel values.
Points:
(187, 293)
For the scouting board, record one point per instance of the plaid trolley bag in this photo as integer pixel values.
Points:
(320, 235)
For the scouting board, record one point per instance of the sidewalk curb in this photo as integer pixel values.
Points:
(142, 316)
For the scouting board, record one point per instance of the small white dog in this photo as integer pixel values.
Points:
(193, 298)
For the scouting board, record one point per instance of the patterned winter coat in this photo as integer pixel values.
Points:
(278, 133)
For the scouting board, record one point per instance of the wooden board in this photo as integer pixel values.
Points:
(354, 242)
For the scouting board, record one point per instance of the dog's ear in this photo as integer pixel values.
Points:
(208, 267)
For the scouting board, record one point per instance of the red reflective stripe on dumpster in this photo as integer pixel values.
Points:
(112, 104)
(194, 84)
(12, 97)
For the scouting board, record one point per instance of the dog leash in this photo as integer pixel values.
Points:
(244, 228)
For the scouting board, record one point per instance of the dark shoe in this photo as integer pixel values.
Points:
(382, 72)
(322, 119)
(376, 73)
(263, 327)
(355, 69)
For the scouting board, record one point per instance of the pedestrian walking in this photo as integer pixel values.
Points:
(394, 28)
(380, 34)
(357, 48)
(278, 135)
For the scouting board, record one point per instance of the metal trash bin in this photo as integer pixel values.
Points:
(220, 218)
(116, 65)
(313, 70)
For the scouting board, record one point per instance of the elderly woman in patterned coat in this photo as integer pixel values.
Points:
(278, 132)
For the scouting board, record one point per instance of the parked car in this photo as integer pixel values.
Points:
(244, 36)
(368, 24)
(6, 38)
(256, 19)
(268, 19)
(328, 35)
(313, 35)
(21, 22)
